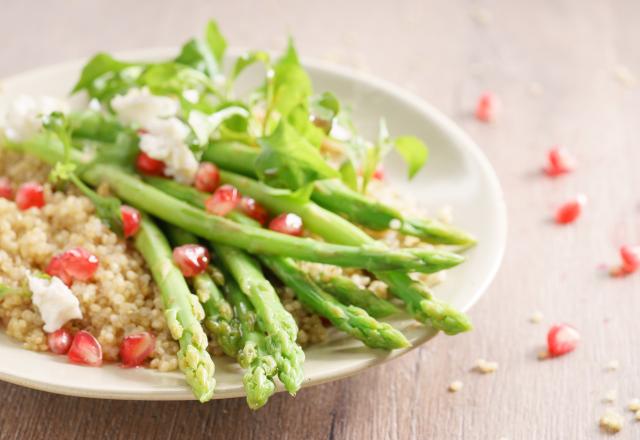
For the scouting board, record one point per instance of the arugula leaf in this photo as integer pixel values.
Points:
(205, 55)
(249, 59)
(288, 160)
(103, 77)
(100, 64)
(413, 151)
(300, 119)
(349, 175)
(324, 108)
(204, 125)
(174, 78)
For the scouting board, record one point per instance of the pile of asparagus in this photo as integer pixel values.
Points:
(235, 302)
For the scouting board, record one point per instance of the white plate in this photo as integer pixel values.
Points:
(457, 175)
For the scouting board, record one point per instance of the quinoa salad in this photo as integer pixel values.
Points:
(155, 218)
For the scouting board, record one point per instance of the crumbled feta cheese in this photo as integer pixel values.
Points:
(191, 95)
(611, 421)
(55, 302)
(140, 106)
(24, 116)
(536, 317)
(634, 405)
(165, 141)
(613, 365)
(486, 367)
(455, 386)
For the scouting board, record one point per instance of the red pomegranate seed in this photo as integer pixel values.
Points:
(562, 339)
(130, 220)
(192, 259)
(149, 166)
(30, 195)
(223, 201)
(254, 210)
(560, 162)
(378, 174)
(55, 268)
(487, 107)
(287, 223)
(207, 177)
(136, 348)
(59, 341)
(630, 258)
(85, 350)
(79, 263)
(571, 210)
(6, 191)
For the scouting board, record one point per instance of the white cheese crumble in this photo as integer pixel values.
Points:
(165, 141)
(24, 116)
(141, 107)
(55, 302)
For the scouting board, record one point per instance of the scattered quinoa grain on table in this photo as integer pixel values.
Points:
(485, 367)
(536, 317)
(455, 386)
(613, 365)
(634, 405)
(611, 421)
(611, 396)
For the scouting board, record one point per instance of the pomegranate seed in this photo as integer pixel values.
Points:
(562, 339)
(223, 201)
(130, 220)
(254, 210)
(85, 350)
(149, 166)
(30, 195)
(79, 263)
(207, 177)
(630, 258)
(571, 210)
(192, 259)
(487, 107)
(136, 348)
(560, 162)
(378, 174)
(287, 223)
(59, 341)
(55, 268)
(6, 191)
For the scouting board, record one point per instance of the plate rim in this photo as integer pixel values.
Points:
(458, 135)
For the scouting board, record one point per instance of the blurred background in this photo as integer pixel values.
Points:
(566, 73)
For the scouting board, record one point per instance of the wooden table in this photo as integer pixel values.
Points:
(553, 65)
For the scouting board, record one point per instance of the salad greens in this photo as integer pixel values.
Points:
(286, 147)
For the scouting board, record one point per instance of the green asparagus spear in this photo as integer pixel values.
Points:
(183, 312)
(348, 292)
(338, 198)
(419, 301)
(254, 357)
(280, 326)
(350, 319)
(218, 313)
(218, 229)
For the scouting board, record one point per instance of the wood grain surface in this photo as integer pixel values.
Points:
(553, 65)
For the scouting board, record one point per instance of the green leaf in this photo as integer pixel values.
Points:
(99, 65)
(299, 119)
(249, 59)
(413, 151)
(325, 107)
(103, 77)
(291, 84)
(288, 160)
(205, 55)
(349, 175)
(174, 78)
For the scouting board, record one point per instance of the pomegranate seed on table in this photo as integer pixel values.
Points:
(135, 349)
(487, 107)
(192, 259)
(85, 350)
(55, 268)
(254, 210)
(560, 161)
(79, 263)
(30, 195)
(59, 341)
(145, 164)
(207, 177)
(287, 223)
(223, 200)
(562, 339)
(571, 210)
(378, 174)
(630, 258)
(130, 220)
(6, 191)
